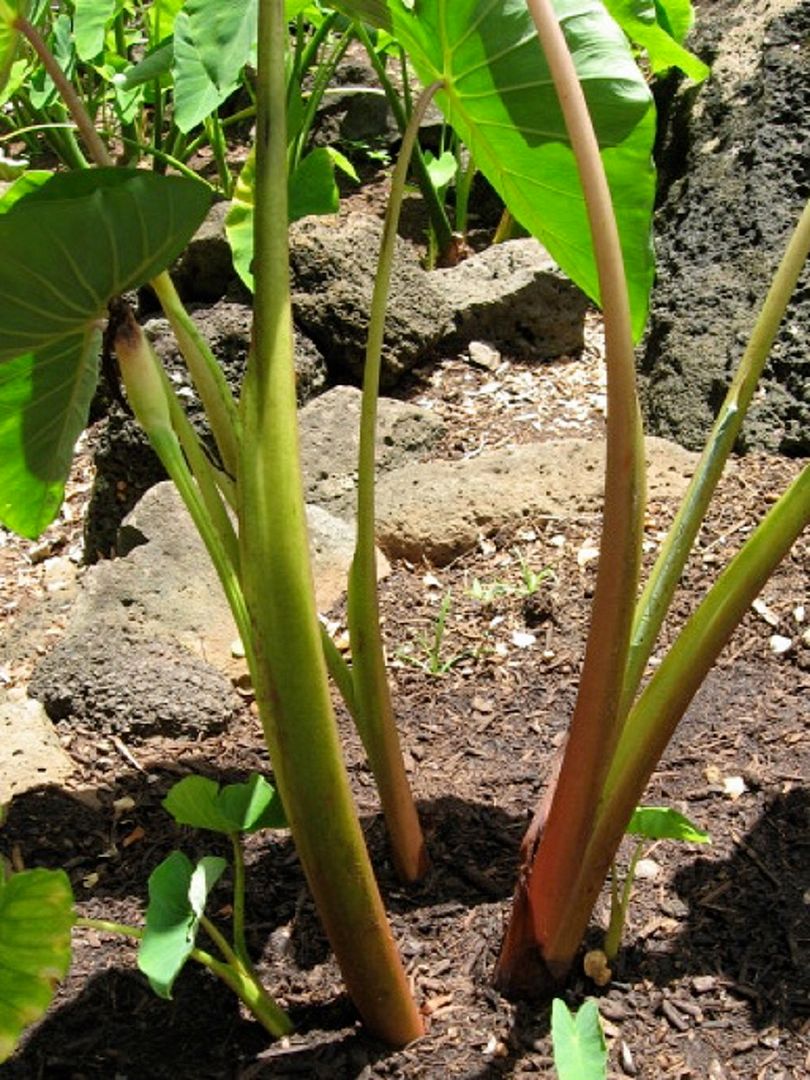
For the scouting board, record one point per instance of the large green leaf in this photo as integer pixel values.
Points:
(212, 44)
(9, 11)
(237, 808)
(639, 20)
(36, 916)
(664, 823)
(91, 20)
(177, 895)
(579, 1044)
(67, 247)
(500, 99)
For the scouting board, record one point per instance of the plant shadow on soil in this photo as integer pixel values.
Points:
(743, 918)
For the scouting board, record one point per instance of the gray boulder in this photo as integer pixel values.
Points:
(333, 262)
(734, 180)
(330, 428)
(514, 296)
(438, 510)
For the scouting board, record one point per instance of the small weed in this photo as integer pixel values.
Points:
(430, 647)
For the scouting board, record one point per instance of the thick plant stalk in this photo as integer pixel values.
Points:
(653, 719)
(372, 695)
(289, 673)
(658, 592)
(597, 719)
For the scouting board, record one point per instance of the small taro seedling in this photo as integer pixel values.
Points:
(37, 914)
(578, 1042)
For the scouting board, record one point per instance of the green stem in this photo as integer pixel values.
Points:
(597, 721)
(323, 77)
(216, 139)
(209, 381)
(665, 575)
(289, 672)
(92, 139)
(160, 156)
(240, 944)
(146, 387)
(372, 693)
(436, 212)
(243, 983)
(620, 904)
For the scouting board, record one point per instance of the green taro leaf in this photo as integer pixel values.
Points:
(9, 36)
(676, 16)
(236, 808)
(500, 100)
(212, 44)
(579, 1044)
(441, 169)
(639, 20)
(68, 246)
(312, 190)
(91, 20)
(662, 823)
(177, 895)
(36, 916)
(154, 65)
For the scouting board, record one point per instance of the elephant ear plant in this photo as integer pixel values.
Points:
(502, 93)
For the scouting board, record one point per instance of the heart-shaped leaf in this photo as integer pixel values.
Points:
(663, 823)
(91, 20)
(212, 44)
(36, 916)
(237, 808)
(177, 895)
(67, 247)
(579, 1044)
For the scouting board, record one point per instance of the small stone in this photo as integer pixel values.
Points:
(483, 355)
(780, 644)
(628, 1065)
(765, 613)
(702, 984)
(734, 787)
(647, 869)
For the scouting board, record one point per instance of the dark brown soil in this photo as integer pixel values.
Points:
(712, 980)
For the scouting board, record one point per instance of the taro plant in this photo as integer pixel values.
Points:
(620, 728)
(37, 914)
(73, 243)
(179, 890)
(578, 1042)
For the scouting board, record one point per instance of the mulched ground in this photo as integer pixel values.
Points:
(713, 978)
